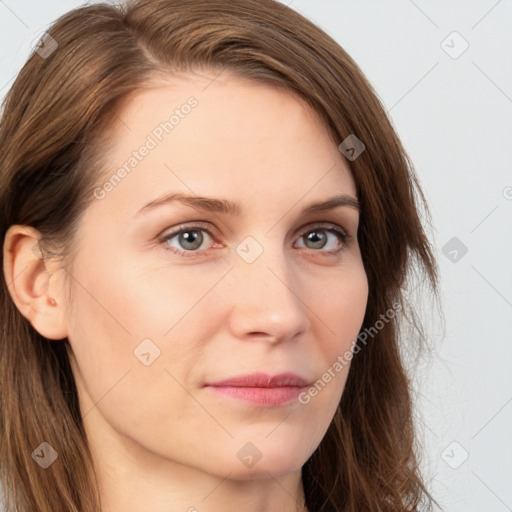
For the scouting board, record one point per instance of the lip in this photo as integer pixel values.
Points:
(262, 380)
(261, 388)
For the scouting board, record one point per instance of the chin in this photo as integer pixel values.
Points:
(262, 472)
(277, 464)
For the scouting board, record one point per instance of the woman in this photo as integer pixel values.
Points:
(208, 224)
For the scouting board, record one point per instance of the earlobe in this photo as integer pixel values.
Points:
(32, 284)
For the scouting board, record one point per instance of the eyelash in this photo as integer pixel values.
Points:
(330, 228)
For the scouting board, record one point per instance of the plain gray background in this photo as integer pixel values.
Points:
(443, 70)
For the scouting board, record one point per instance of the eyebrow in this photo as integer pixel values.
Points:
(224, 206)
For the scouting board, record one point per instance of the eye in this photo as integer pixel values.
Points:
(189, 239)
(317, 238)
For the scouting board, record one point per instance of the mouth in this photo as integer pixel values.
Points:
(261, 389)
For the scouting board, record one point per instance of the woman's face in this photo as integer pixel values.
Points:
(254, 284)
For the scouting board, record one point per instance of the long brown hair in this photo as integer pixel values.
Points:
(53, 117)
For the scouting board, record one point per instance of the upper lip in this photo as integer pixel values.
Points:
(263, 380)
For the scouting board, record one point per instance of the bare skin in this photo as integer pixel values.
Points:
(162, 441)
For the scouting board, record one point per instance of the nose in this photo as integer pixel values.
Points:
(267, 302)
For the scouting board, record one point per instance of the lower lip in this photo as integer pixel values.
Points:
(269, 397)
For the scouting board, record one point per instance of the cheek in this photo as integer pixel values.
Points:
(126, 315)
(128, 371)
(336, 306)
(124, 300)
(340, 306)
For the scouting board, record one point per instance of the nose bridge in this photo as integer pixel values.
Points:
(266, 298)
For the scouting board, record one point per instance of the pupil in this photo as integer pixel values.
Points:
(192, 237)
(320, 240)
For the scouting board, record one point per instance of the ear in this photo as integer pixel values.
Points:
(33, 282)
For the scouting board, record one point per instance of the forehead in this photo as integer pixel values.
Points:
(228, 108)
(222, 135)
